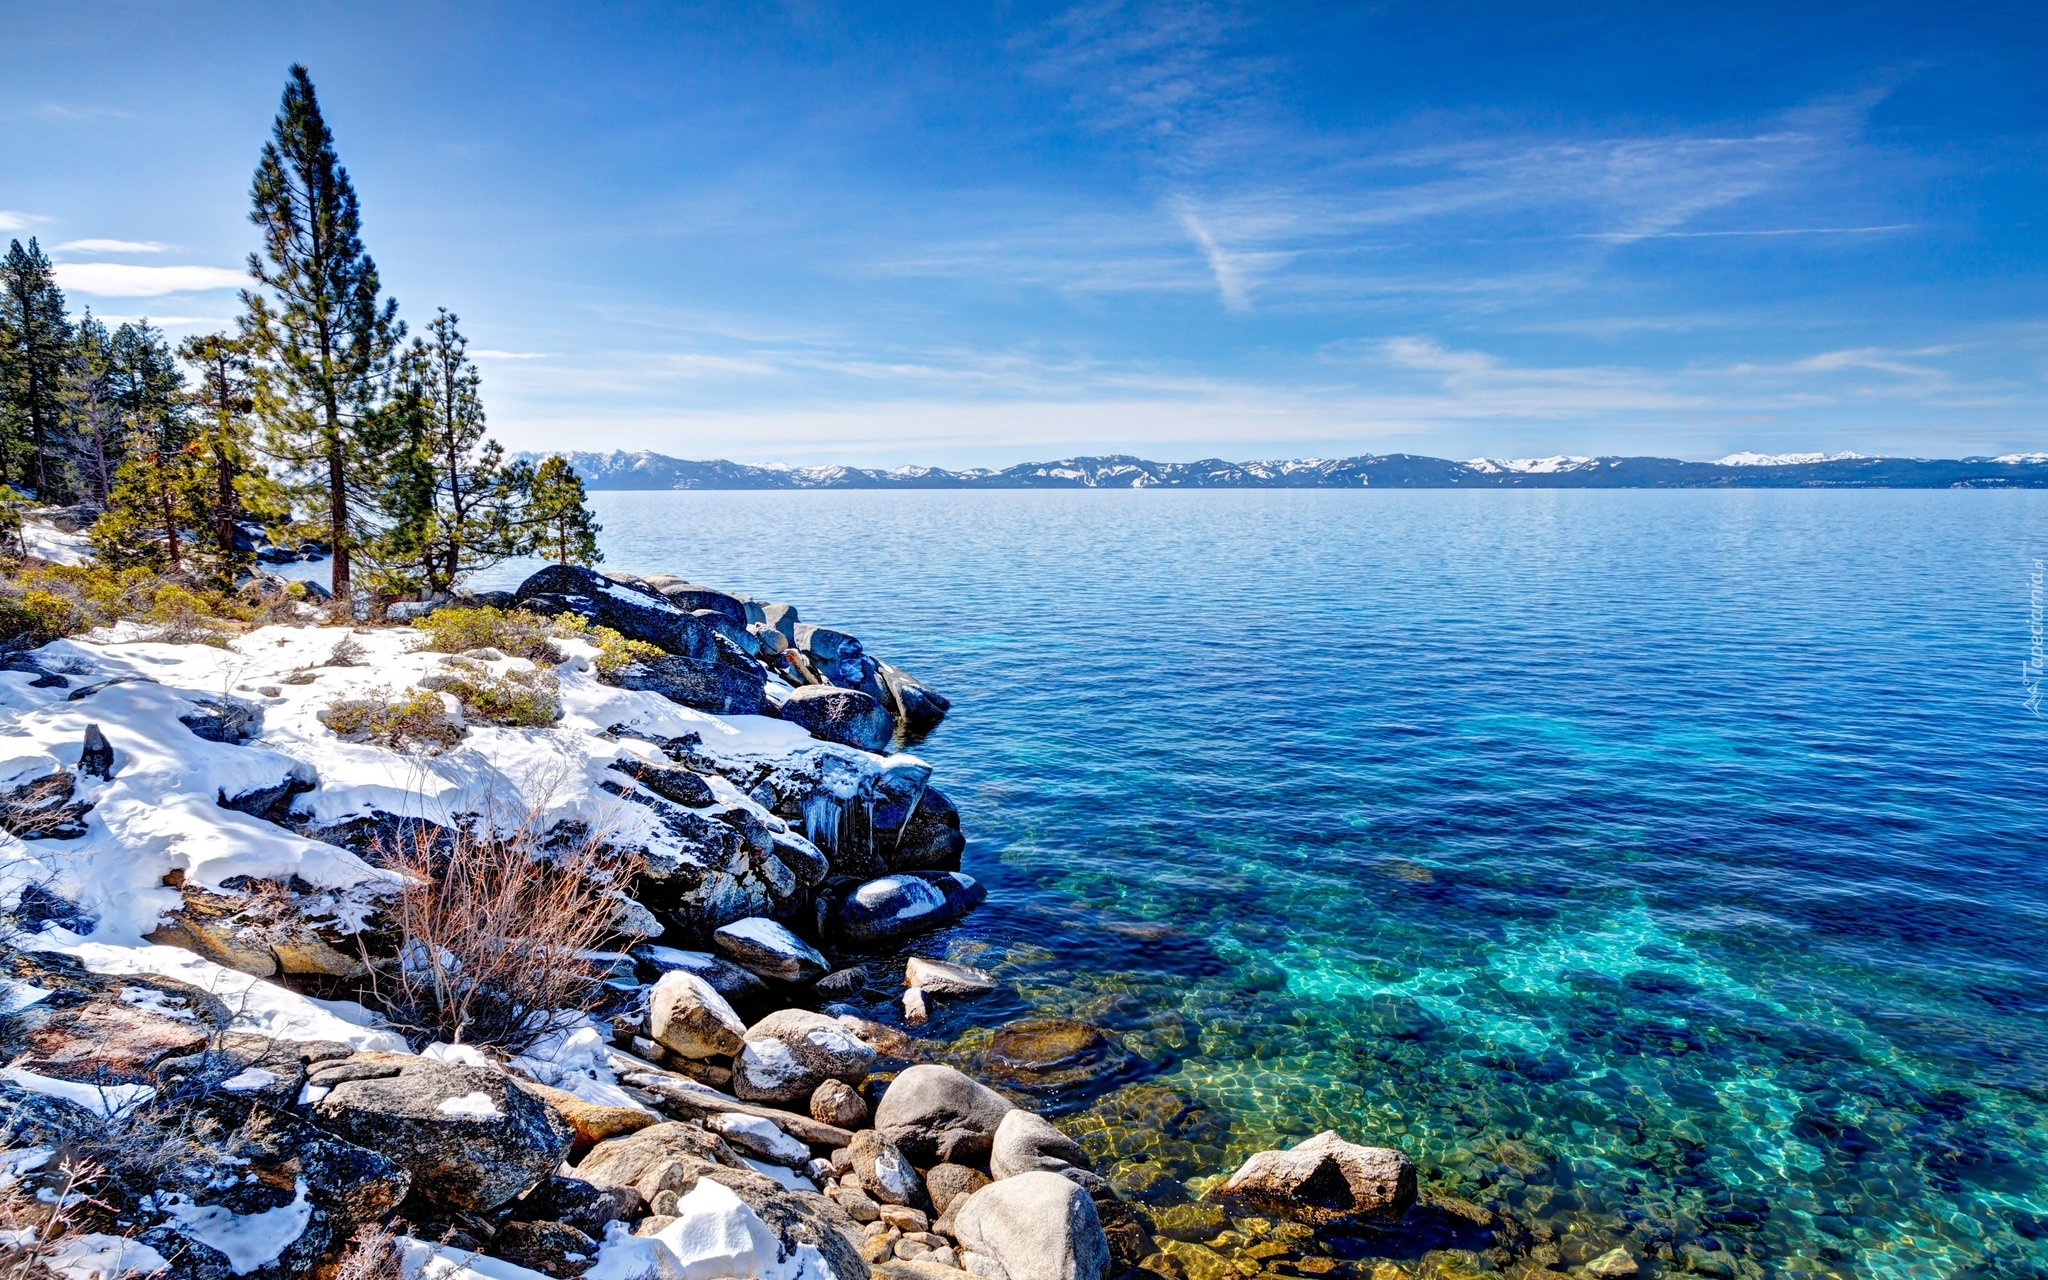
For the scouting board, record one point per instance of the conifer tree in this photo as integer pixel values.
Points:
(321, 335)
(221, 404)
(92, 415)
(559, 518)
(35, 338)
(454, 500)
(157, 492)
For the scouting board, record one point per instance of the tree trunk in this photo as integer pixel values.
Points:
(170, 515)
(224, 512)
(337, 510)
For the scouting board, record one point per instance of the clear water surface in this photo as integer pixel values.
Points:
(1666, 867)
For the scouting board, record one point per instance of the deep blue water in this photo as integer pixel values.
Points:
(1667, 867)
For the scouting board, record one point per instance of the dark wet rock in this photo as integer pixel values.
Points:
(1026, 1141)
(705, 685)
(691, 598)
(680, 785)
(828, 643)
(43, 808)
(930, 840)
(936, 1114)
(87, 691)
(843, 984)
(551, 1248)
(945, 1183)
(898, 905)
(845, 716)
(1037, 1226)
(1323, 1181)
(273, 802)
(96, 758)
(469, 1137)
(230, 720)
(834, 1102)
(763, 947)
(580, 1203)
(634, 612)
(726, 978)
(920, 707)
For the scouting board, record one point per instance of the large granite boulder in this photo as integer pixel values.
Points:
(725, 977)
(1323, 1181)
(1036, 1226)
(636, 612)
(845, 716)
(722, 687)
(920, 707)
(884, 1173)
(936, 1114)
(469, 1137)
(661, 1157)
(927, 838)
(1026, 1141)
(789, 1053)
(688, 1017)
(898, 905)
(691, 598)
(769, 950)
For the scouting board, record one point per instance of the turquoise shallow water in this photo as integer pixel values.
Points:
(1666, 867)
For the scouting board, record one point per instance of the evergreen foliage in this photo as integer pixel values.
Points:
(560, 519)
(90, 445)
(321, 336)
(221, 444)
(455, 504)
(35, 339)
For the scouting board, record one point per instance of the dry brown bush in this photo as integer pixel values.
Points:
(493, 930)
(372, 1254)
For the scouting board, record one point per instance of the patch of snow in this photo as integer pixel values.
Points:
(788, 1179)
(1533, 466)
(1783, 459)
(94, 1255)
(767, 933)
(16, 996)
(104, 1100)
(716, 1235)
(476, 1106)
(262, 1007)
(2022, 459)
(419, 1260)
(763, 1137)
(461, 1054)
(158, 1002)
(770, 1062)
(312, 1093)
(46, 541)
(250, 1240)
(249, 1079)
(22, 1160)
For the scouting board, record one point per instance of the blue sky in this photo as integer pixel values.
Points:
(974, 233)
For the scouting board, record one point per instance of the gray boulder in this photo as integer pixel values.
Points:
(942, 979)
(826, 642)
(920, 707)
(688, 1017)
(763, 947)
(1323, 1181)
(789, 1053)
(782, 618)
(470, 1140)
(936, 1114)
(884, 1173)
(907, 902)
(1036, 1226)
(835, 1103)
(668, 782)
(691, 598)
(945, 1183)
(1026, 1141)
(725, 977)
(705, 685)
(845, 716)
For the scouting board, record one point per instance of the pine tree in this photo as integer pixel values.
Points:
(221, 404)
(454, 502)
(559, 518)
(157, 492)
(323, 340)
(92, 415)
(35, 338)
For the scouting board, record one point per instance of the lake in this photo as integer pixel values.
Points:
(1666, 867)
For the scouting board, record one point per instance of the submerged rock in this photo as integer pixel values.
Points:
(1323, 1181)
(1048, 1054)
(942, 979)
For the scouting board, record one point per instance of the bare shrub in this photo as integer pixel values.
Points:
(372, 1254)
(493, 931)
(413, 721)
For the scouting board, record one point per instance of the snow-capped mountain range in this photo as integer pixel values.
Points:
(644, 470)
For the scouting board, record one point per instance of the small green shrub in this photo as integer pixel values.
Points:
(40, 603)
(518, 699)
(514, 632)
(415, 721)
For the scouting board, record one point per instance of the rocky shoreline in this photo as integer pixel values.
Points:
(197, 882)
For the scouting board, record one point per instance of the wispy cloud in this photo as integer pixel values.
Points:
(489, 353)
(10, 220)
(122, 280)
(113, 246)
(70, 112)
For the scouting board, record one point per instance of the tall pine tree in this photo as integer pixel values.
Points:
(35, 340)
(221, 404)
(455, 502)
(323, 339)
(559, 520)
(93, 428)
(157, 492)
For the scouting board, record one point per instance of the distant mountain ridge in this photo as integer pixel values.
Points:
(645, 470)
